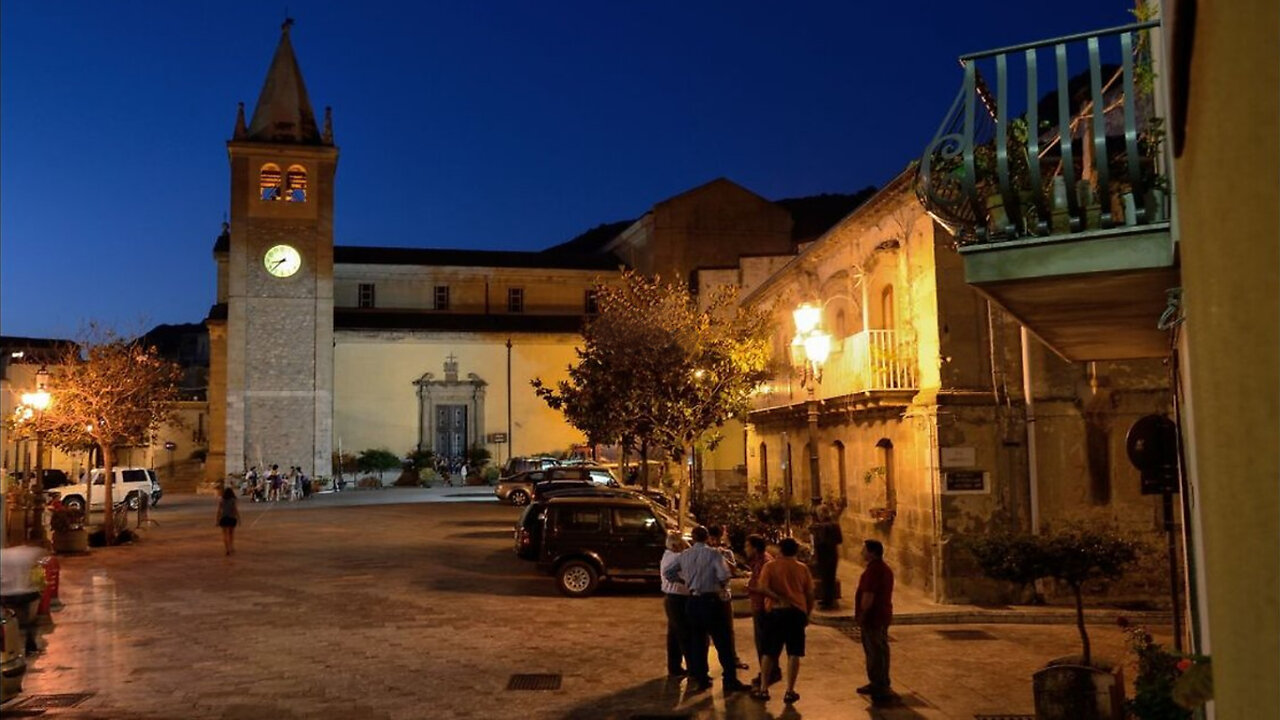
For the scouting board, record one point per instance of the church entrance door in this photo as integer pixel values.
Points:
(451, 433)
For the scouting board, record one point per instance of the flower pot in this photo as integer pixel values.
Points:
(75, 540)
(997, 217)
(1066, 690)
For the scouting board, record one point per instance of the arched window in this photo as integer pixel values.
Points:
(887, 319)
(841, 331)
(843, 472)
(296, 184)
(269, 182)
(884, 449)
(764, 466)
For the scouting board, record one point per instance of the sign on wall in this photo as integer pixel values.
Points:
(966, 481)
(958, 457)
(497, 438)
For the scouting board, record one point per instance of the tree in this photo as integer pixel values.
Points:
(657, 370)
(109, 392)
(378, 460)
(1074, 556)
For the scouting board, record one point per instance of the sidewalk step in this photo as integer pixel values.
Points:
(1036, 616)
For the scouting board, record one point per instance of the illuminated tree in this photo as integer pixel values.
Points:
(110, 392)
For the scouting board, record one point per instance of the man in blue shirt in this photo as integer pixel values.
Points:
(706, 574)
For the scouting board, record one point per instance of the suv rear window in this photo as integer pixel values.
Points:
(135, 476)
(578, 519)
(566, 474)
(633, 519)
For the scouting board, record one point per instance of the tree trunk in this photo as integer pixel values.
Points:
(1084, 636)
(624, 453)
(644, 464)
(108, 483)
(684, 491)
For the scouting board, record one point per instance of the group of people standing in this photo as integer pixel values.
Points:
(275, 485)
(782, 590)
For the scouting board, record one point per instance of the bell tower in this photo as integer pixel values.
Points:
(274, 340)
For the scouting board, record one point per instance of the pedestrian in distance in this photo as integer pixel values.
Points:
(787, 587)
(827, 539)
(675, 600)
(873, 611)
(757, 557)
(706, 573)
(228, 518)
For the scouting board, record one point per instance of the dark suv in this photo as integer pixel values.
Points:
(587, 539)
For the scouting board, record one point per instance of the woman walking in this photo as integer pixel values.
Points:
(227, 519)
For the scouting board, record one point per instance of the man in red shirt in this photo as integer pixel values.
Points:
(873, 611)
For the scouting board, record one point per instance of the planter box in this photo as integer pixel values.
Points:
(1065, 690)
(71, 541)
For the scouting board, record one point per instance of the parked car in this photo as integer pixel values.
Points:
(517, 465)
(130, 484)
(52, 477)
(156, 491)
(587, 539)
(518, 489)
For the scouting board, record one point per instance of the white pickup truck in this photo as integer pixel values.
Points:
(131, 484)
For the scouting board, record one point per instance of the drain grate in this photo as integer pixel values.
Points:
(853, 632)
(49, 702)
(545, 681)
(966, 635)
(1004, 717)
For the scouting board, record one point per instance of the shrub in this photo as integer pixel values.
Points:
(1157, 673)
(377, 460)
(428, 476)
(478, 457)
(419, 459)
(490, 474)
(1073, 556)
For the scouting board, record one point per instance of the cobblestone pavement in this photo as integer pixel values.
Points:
(366, 606)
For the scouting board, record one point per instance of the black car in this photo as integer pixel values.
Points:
(587, 539)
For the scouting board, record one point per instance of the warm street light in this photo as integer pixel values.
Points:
(36, 403)
(809, 351)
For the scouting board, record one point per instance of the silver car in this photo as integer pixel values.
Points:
(518, 489)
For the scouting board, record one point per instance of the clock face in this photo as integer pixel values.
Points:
(282, 261)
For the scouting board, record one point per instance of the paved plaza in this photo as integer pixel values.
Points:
(390, 604)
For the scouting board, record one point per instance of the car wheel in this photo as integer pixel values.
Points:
(519, 497)
(74, 503)
(577, 578)
(133, 501)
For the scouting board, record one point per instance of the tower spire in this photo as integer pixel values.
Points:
(283, 113)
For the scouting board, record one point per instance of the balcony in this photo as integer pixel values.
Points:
(871, 361)
(1054, 185)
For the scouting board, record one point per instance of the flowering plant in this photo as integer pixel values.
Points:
(1169, 685)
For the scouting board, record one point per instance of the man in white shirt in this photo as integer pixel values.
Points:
(675, 598)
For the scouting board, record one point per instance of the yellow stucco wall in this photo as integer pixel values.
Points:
(376, 403)
(1228, 202)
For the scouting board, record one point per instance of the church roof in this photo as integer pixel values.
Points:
(357, 255)
(380, 319)
(283, 113)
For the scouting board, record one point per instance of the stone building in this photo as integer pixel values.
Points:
(921, 415)
(317, 347)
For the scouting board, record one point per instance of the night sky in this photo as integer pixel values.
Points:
(494, 125)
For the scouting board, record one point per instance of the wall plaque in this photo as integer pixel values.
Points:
(958, 457)
(966, 481)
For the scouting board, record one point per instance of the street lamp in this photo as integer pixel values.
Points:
(38, 402)
(809, 351)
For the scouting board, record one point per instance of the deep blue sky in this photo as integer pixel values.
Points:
(511, 125)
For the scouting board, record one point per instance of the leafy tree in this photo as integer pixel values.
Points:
(657, 369)
(1073, 556)
(108, 393)
(378, 460)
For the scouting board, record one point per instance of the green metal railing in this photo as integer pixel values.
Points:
(1087, 156)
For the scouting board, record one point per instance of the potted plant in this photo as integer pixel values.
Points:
(1170, 685)
(69, 534)
(1076, 687)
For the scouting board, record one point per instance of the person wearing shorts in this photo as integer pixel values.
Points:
(787, 587)
(228, 518)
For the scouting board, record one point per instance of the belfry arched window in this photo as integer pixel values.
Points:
(269, 182)
(296, 184)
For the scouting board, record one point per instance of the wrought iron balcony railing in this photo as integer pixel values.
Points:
(1087, 156)
(867, 361)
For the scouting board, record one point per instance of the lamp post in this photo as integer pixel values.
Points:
(809, 351)
(38, 401)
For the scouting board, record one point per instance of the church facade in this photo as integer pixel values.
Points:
(317, 348)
